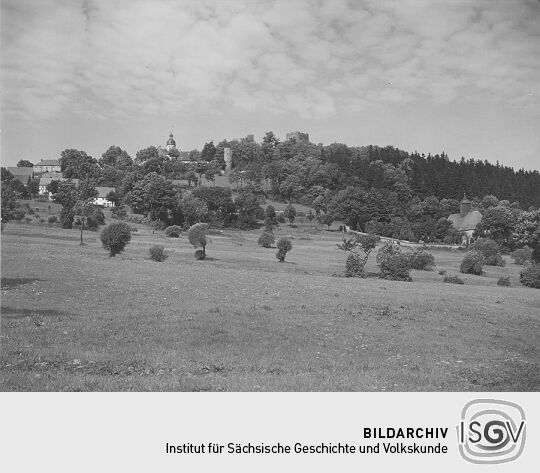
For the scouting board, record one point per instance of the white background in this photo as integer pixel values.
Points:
(127, 432)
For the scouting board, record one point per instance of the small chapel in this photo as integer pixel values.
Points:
(466, 220)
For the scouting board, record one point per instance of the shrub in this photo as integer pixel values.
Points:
(472, 263)
(284, 245)
(442, 272)
(133, 229)
(41, 220)
(66, 217)
(118, 212)
(173, 231)
(52, 219)
(18, 214)
(393, 263)
(453, 280)
(157, 252)
(270, 212)
(266, 240)
(489, 249)
(354, 266)
(522, 256)
(421, 259)
(135, 218)
(358, 243)
(387, 250)
(535, 256)
(327, 219)
(503, 281)
(396, 267)
(159, 225)
(495, 260)
(530, 276)
(486, 246)
(290, 213)
(98, 216)
(269, 224)
(115, 237)
(91, 223)
(281, 218)
(197, 237)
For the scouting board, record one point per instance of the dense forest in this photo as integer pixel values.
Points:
(337, 166)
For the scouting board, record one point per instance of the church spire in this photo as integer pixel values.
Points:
(171, 144)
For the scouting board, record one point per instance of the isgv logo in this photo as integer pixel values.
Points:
(491, 431)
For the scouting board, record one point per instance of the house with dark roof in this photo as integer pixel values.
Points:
(23, 174)
(466, 220)
(47, 165)
(101, 199)
(48, 177)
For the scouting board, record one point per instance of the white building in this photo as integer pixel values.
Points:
(101, 199)
(47, 165)
(48, 177)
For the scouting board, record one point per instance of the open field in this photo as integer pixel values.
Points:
(75, 319)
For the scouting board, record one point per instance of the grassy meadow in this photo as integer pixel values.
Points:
(74, 319)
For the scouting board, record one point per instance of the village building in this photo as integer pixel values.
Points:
(48, 177)
(183, 156)
(466, 220)
(47, 165)
(171, 144)
(102, 199)
(22, 174)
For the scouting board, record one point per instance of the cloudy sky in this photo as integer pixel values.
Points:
(458, 76)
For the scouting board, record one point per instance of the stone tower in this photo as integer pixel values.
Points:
(171, 144)
(464, 206)
(227, 156)
(297, 136)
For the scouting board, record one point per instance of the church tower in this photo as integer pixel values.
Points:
(464, 206)
(171, 144)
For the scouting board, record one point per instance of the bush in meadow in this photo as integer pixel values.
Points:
(453, 280)
(157, 252)
(98, 216)
(361, 246)
(115, 237)
(421, 259)
(472, 263)
(159, 225)
(489, 250)
(522, 255)
(174, 231)
(353, 266)
(266, 240)
(393, 263)
(503, 281)
(284, 245)
(530, 276)
(66, 217)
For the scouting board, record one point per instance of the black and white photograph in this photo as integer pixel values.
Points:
(270, 196)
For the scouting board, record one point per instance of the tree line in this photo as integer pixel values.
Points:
(382, 190)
